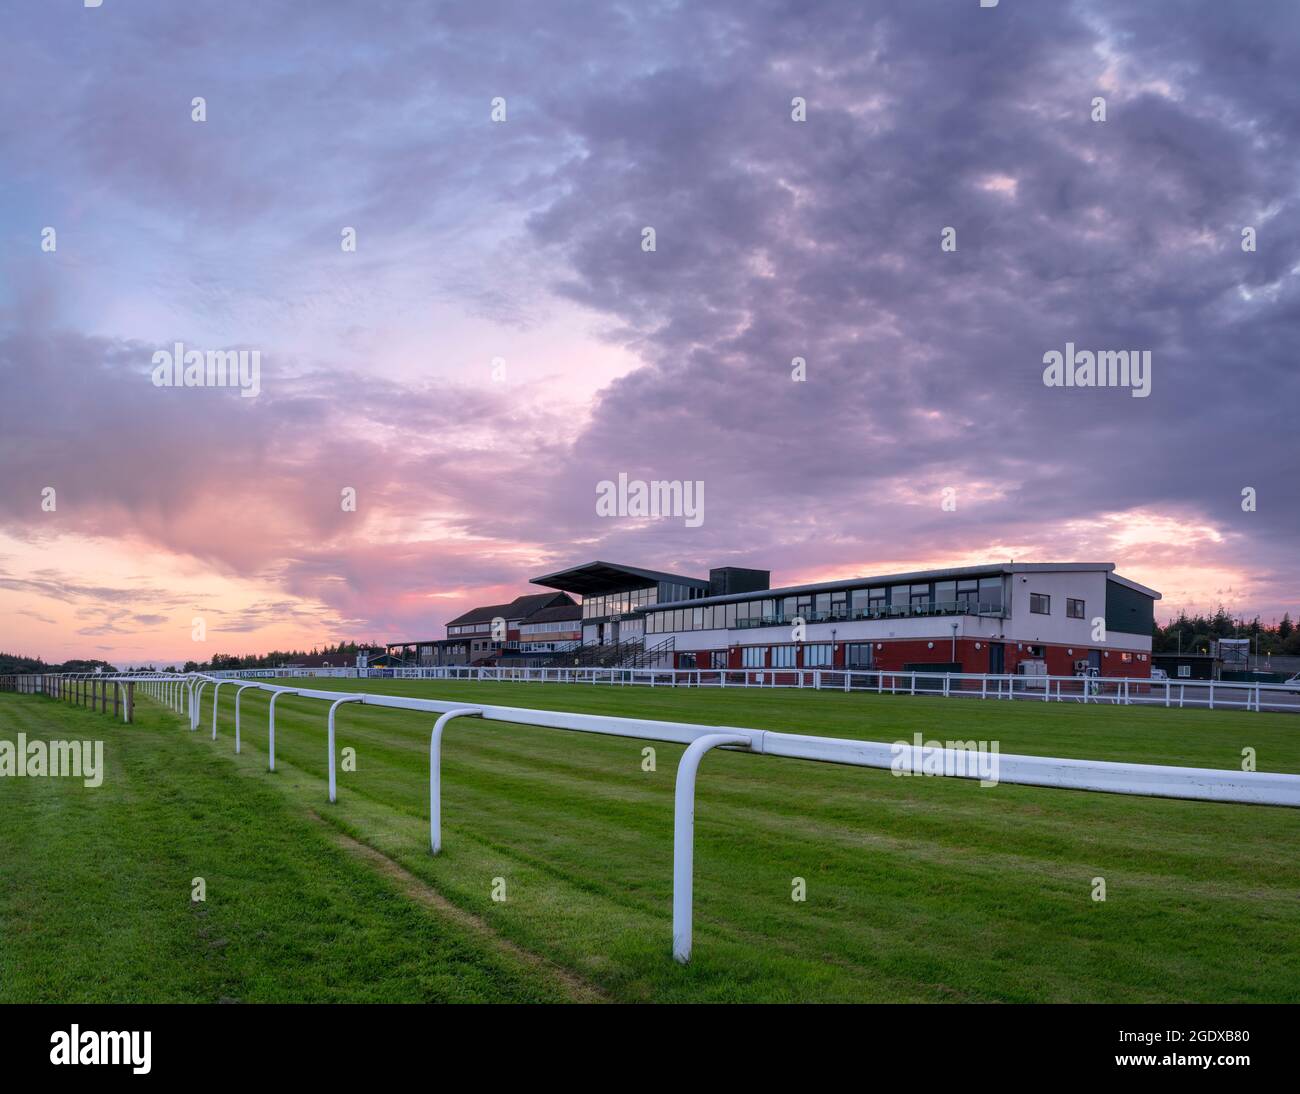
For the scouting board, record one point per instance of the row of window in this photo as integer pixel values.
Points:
(596, 607)
(1041, 604)
(549, 628)
(469, 628)
(816, 655)
(968, 596)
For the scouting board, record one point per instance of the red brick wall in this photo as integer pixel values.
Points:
(893, 654)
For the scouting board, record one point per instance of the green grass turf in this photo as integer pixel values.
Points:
(95, 887)
(917, 889)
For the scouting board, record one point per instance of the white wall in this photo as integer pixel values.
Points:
(1021, 625)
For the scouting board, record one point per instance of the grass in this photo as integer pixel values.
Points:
(96, 886)
(917, 889)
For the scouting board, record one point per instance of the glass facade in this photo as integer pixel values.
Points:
(629, 600)
(965, 596)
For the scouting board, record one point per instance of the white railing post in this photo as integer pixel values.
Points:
(270, 766)
(216, 694)
(197, 712)
(333, 707)
(684, 836)
(238, 692)
(435, 774)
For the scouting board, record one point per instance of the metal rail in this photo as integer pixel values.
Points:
(1196, 784)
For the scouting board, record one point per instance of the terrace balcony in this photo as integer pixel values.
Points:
(897, 611)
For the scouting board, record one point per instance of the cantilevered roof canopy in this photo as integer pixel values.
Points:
(594, 578)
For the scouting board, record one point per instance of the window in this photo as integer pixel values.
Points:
(945, 596)
(1185, 670)
(719, 658)
(783, 657)
(1034, 651)
(919, 601)
(968, 595)
(1040, 604)
(990, 594)
(1126, 658)
(754, 657)
(1074, 608)
(858, 655)
(817, 656)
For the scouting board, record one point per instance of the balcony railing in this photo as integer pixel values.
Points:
(897, 611)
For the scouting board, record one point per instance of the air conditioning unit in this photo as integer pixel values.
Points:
(1081, 668)
(1033, 669)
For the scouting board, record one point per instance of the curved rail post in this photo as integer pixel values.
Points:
(684, 836)
(197, 712)
(435, 773)
(238, 692)
(333, 707)
(274, 696)
(216, 694)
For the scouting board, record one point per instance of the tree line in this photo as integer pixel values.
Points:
(1194, 633)
(21, 664)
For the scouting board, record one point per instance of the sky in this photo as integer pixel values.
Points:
(500, 340)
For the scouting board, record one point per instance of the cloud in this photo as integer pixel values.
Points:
(776, 239)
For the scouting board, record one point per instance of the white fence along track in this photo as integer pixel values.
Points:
(1104, 690)
(1197, 784)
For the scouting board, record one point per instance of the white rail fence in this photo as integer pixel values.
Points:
(1108, 690)
(184, 694)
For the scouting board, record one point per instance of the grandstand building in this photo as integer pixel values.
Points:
(1058, 619)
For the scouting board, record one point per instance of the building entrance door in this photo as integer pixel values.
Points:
(997, 658)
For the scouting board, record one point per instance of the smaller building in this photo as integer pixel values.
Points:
(482, 636)
(1185, 666)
